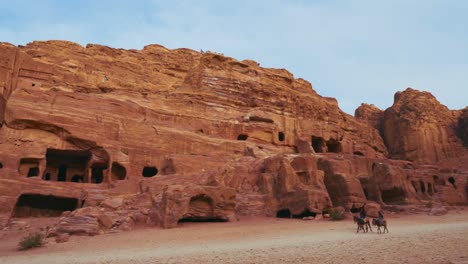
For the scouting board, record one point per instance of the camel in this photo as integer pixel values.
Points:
(375, 221)
(360, 224)
(365, 223)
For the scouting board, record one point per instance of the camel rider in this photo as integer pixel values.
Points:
(381, 219)
(362, 213)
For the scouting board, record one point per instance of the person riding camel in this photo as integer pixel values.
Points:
(381, 218)
(362, 212)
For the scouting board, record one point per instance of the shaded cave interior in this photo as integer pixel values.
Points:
(320, 145)
(38, 205)
(201, 209)
(73, 166)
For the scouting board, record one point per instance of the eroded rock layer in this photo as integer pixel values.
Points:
(159, 136)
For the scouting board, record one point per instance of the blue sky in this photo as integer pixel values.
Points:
(354, 50)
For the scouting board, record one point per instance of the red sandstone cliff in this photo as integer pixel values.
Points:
(164, 135)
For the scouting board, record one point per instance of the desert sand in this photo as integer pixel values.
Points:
(412, 239)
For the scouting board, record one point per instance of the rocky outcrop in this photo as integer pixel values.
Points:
(418, 128)
(195, 203)
(372, 115)
(77, 225)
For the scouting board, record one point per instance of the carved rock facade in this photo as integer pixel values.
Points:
(159, 136)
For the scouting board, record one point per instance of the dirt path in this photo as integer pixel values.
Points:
(412, 239)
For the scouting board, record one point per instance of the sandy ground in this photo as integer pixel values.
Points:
(412, 239)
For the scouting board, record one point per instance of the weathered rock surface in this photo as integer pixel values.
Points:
(420, 129)
(77, 225)
(372, 115)
(157, 136)
(462, 128)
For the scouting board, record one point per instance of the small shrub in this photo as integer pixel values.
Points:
(31, 241)
(336, 214)
(429, 205)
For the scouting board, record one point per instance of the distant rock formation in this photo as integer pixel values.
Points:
(418, 128)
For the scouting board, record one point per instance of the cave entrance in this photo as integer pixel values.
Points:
(305, 213)
(63, 165)
(334, 146)
(393, 196)
(62, 173)
(149, 171)
(29, 167)
(283, 213)
(118, 172)
(33, 172)
(318, 144)
(97, 173)
(37, 205)
(281, 136)
(242, 137)
(200, 210)
(451, 180)
(77, 178)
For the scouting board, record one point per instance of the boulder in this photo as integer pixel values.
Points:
(77, 225)
(62, 238)
(438, 211)
(113, 203)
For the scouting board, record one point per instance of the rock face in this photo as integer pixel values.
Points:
(462, 128)
(418, 128)
(158, 136)
(372, 115)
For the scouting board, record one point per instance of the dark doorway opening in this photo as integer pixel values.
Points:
(451, 180)
(318, 144)
(37, 205)
(33, 172)
(201, 210)
(281, 136)
(1, 165)
(62, 173)
(359, 153)
(393, 196)
(29, 167)
(118, 172)
(242, 137)
(149, 171)
(283, 213)
(77, 178)
(305, 213)
(334, 146)
(97, 173)
(62, 165)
